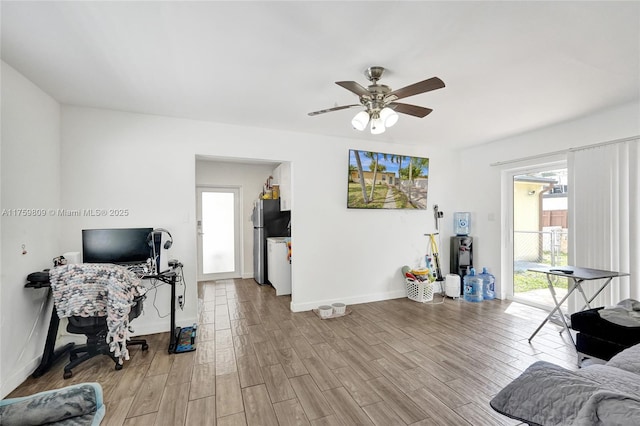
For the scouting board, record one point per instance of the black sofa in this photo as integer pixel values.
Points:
(599, 338)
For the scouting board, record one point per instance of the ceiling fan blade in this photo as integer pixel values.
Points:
(416, 111)
(354, 87)
(427, 85)
(338, 108)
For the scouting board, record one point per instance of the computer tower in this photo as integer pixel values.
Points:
(461, 256)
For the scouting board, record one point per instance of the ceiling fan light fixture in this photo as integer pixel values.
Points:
(377, 126)
(388, 116)
(360, 121)
(380, 101)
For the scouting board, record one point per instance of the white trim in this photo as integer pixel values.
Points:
(373, 297)
(564, 151)
(236, 190)
(160, 326)
(552, 161)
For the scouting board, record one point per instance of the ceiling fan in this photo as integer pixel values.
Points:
(380, 103)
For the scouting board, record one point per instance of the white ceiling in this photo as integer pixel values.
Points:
(509, 67)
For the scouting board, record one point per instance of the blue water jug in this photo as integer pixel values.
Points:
(488, 284)
(461, 223)
(472, 287)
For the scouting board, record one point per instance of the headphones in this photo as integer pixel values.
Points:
(150, 238)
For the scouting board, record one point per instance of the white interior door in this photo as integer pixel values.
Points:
(219, 233)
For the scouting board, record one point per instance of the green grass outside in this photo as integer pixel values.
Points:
(527, 281)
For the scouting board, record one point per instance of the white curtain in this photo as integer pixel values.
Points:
(604, 218)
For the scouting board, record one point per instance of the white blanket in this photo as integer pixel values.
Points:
(97, 290)
(626, 313)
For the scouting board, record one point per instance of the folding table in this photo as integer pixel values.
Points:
(577, 276)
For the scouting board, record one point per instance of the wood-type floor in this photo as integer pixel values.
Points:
(394, 362)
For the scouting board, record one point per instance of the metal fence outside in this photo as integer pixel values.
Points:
(538, 249)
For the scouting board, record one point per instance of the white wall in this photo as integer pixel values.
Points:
(30, 171)
(480, 183)
(116, 161)
(250, 178)
(147, 164)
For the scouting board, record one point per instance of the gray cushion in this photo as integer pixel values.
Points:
(628, 360)
(547, 394)
(76, 405)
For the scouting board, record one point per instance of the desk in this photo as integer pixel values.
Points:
(50, 355)
(169, 278)
(576, 277)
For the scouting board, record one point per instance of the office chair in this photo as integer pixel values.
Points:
(99, 300)
(96, 329)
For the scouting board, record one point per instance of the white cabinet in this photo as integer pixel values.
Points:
(282, 176)
(278, 266)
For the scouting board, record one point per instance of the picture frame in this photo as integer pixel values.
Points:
(378, 180)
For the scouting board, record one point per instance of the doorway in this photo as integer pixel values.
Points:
(539, 231)
(219, 234)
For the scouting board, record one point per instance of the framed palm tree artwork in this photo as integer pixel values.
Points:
(387, 181)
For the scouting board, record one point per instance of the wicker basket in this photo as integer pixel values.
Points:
(420, 291)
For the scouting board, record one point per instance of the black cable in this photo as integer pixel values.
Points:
(184, 288)
(154, 286)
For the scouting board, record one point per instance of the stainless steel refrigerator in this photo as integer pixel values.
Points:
(268, 221)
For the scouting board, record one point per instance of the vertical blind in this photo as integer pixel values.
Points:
(604, 217)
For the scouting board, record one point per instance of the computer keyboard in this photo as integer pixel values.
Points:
(140, 269)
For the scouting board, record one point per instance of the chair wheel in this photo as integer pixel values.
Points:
(67, 374)
(118, 366)
(145, 347)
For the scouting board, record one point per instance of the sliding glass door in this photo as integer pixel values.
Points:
(539, 231)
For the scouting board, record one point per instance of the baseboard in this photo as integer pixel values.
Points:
(18, 377)
(160, 327)
(373, 297)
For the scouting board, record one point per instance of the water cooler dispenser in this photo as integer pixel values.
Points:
(461, 257)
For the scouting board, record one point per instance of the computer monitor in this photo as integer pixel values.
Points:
(116, 245)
